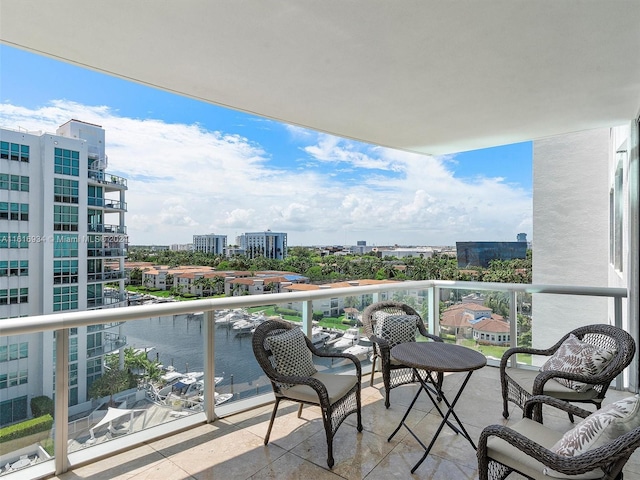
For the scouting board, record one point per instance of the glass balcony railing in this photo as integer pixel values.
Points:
(115, 204)
(108, 179)
(106, 276)
(106, 252)
(111, 343)
(100, 228)
(203, 345)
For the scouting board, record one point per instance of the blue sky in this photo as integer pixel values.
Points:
(197, 168)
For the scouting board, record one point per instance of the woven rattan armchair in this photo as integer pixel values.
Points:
(338, 396)
(394, 373)
(525, 448)
(518, 384)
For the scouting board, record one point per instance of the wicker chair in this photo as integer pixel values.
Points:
(518, 384)
(525, 448)
(394, 373)
(337, 395)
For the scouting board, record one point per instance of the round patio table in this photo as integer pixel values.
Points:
(436, 357)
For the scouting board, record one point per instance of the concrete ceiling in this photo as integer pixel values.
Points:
(428, 76)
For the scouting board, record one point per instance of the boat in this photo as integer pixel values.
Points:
(191, 395)
(222, 397)
(350, 337)
(244, 327)
(320, 337)
(362, 350)
(172, 378)
(230, 318)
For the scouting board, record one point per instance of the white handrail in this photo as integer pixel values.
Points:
(35, 324)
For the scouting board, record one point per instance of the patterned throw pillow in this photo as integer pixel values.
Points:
(397, 329)
(598, 429)
(291, 355)
(576, 356)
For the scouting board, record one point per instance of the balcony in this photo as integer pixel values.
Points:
(100, 228)
(106, 252)
(228, 439)
(111, 343)
(112, 182)
(106, 276)
(115, 205)
(232, 447)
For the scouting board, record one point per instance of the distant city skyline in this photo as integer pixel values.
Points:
(196, 168)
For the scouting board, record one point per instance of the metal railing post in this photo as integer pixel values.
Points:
(434, 310)
(61, 432)
(513, 324)
(307, 317)
(617, 321)
(209, 365)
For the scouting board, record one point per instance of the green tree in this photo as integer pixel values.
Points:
(111, 382)
(135, 276)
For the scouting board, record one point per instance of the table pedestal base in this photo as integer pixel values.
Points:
(439, 394)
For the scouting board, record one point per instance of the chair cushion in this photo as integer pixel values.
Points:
(576, 356)
(525, 378)
(291, 355)
(397, 329)
(600, 427)
(337, 387)
(503, 452)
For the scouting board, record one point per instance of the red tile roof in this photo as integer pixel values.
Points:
(492, 325)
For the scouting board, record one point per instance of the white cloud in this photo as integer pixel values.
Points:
(186, 180)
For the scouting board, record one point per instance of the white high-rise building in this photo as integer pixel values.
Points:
(62, 248)
(210, 243)
(264, 244)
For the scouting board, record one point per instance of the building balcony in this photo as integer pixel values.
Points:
(106, 276)
(232, 447)
(110, 181)
(111, 343)
(228, 439)
(115, 205)
(101, 228)
(106, 252)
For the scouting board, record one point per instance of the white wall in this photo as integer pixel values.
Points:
(570, 230)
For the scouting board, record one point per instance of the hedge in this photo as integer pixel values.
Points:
(41, 406)
(28, 427)
(287, 311)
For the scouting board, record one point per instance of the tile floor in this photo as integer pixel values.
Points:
(232, 448)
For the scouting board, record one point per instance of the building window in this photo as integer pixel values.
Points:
(13, 379)
(14, 151)
(14, 211)
(616, 212)
(73, 349)
(14, 240)
(65, 218)
(73, 374)
(14, 268)
(65, 271)
(94, 295)
(94, 344)
(14, 351)
(13, 296)
(65, 298)
(65, 190)
(95, 196)
(65, 246)
(12, 410)
(17, 183)
(66, 162)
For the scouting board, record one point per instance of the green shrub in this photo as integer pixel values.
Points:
(28, 427)
(42, 405)
(48, 445)
(287, 311)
